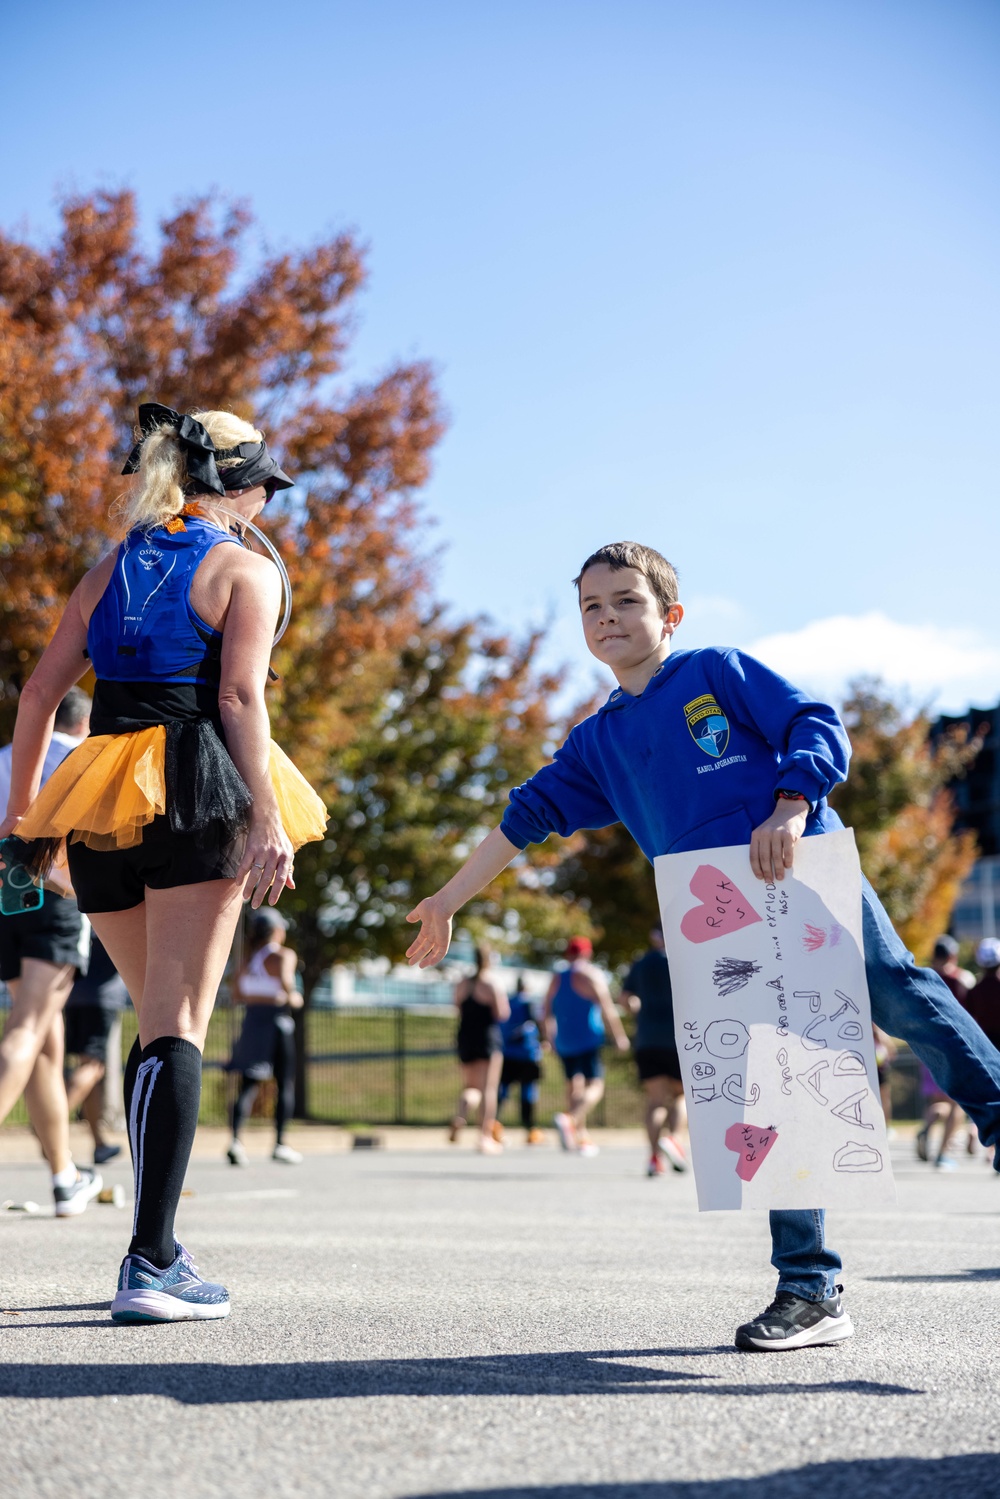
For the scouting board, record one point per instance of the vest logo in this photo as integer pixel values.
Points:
(149, 557)
(708, 724)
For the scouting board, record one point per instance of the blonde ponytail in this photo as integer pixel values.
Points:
(162, 486)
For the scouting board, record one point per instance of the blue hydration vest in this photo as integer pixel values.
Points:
(521, 1041)
(579, 1022)
(144, 628)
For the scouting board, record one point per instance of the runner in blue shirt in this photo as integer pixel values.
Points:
(577, 1007)
(522, 1061)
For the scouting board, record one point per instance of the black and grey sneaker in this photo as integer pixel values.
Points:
(73, 1200)
(792, 1322)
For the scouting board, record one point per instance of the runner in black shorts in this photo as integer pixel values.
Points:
(648, 994)
(40, 953)
(482, 1004)
(91, 1018)
(178, 806)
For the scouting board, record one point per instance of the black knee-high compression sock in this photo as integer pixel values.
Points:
(163, 1118)
(527, 1106)
(128, 1086)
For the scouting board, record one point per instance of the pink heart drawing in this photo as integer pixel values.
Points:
(751, 1146)
(723, 909)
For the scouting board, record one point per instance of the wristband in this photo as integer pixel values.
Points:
(784, 795)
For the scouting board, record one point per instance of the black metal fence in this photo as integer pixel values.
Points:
(396, 1065)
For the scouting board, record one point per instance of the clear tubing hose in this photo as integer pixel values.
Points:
(275, 556)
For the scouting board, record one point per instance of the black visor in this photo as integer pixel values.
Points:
(257, 467)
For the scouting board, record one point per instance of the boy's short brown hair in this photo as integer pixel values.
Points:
(661, 577)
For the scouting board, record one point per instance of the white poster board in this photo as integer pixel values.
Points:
(774, 1028)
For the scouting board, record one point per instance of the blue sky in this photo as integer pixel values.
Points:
(718, 276)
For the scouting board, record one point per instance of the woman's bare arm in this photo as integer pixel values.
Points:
(61, 667)
(246, 650)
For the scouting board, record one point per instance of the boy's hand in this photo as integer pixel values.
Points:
(772, 847)
(434, 938)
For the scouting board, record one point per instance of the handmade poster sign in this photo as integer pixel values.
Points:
(774, 1028)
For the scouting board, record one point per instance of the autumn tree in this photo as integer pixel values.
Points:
(409, 727)
(897, 800)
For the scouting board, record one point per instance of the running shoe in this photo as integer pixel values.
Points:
(176, 1294)
(488, 1146)
(70, 1201)
(287, 1155)
(454, 1130)
(945, 1163)
(673, 1152)
(105, 1153)
(236, 1155)
(567, 1131)
(588, 1149)
(535, 1137)
(920, 1140)
(792, 1322)
(655, 1167)
(496, 1129)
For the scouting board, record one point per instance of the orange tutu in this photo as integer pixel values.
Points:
(112, 785)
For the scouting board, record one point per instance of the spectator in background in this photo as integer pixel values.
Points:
(578, 1005)
(983, 1000)
(648, 994)
(885, 1055)
(939, 1108)
(95, 1001)
(41, 953)
(265, 1047)
(482, 1004)
(522, 1061)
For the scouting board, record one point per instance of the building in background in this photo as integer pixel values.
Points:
(977, 805)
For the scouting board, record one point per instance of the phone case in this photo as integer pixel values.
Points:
(18, 891)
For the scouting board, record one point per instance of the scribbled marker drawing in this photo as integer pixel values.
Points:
(818, 936)
(731, 974)
(723, 908)
(857, 1157)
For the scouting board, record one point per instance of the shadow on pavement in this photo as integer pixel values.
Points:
(962, 1277)
(972, 1476)
(595, 1373)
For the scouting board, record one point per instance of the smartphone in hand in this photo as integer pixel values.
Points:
(18, 889)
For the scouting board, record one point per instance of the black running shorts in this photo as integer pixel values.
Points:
(117, 880)
(53, 934)
(87, 1030)
(658, 1061)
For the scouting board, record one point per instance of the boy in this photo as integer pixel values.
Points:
(704, 749)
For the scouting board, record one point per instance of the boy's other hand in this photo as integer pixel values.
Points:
(434, 938)
(772, 847)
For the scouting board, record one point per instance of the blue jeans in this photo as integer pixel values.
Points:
(916, 1005)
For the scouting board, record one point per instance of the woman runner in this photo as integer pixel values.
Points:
(178, 806)
(482, 1005)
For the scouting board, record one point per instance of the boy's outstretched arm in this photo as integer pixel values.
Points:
(435, 913)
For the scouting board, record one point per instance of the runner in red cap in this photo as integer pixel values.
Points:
(576, 1008)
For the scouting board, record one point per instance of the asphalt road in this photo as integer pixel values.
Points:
(422, 1323)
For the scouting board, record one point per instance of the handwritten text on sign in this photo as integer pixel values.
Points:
(774, 1028)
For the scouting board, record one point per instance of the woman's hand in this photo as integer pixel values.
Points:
(7, 827)
(267, 861)
(434, 938)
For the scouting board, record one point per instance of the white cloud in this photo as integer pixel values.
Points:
(950, 667)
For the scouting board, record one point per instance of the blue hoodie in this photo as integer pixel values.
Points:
(693, 762)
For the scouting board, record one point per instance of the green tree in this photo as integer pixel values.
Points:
(896, 798)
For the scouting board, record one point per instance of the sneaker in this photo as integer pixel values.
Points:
(535, 1137)
(236, 1155)
(73, 1200)
(488, 1146)
(792, 1322)
(673, 1152)
(945, 1163)
(588, 1149)
(496, 1129)
(655, 1167)
(920, 1140)
(286, 1154)
(455, 1128)
(176, 1294)
(105, 1153)
(567, 1131)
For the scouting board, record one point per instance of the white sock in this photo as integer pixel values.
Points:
(64, 1178)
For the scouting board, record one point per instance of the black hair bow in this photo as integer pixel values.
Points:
(196, 445)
